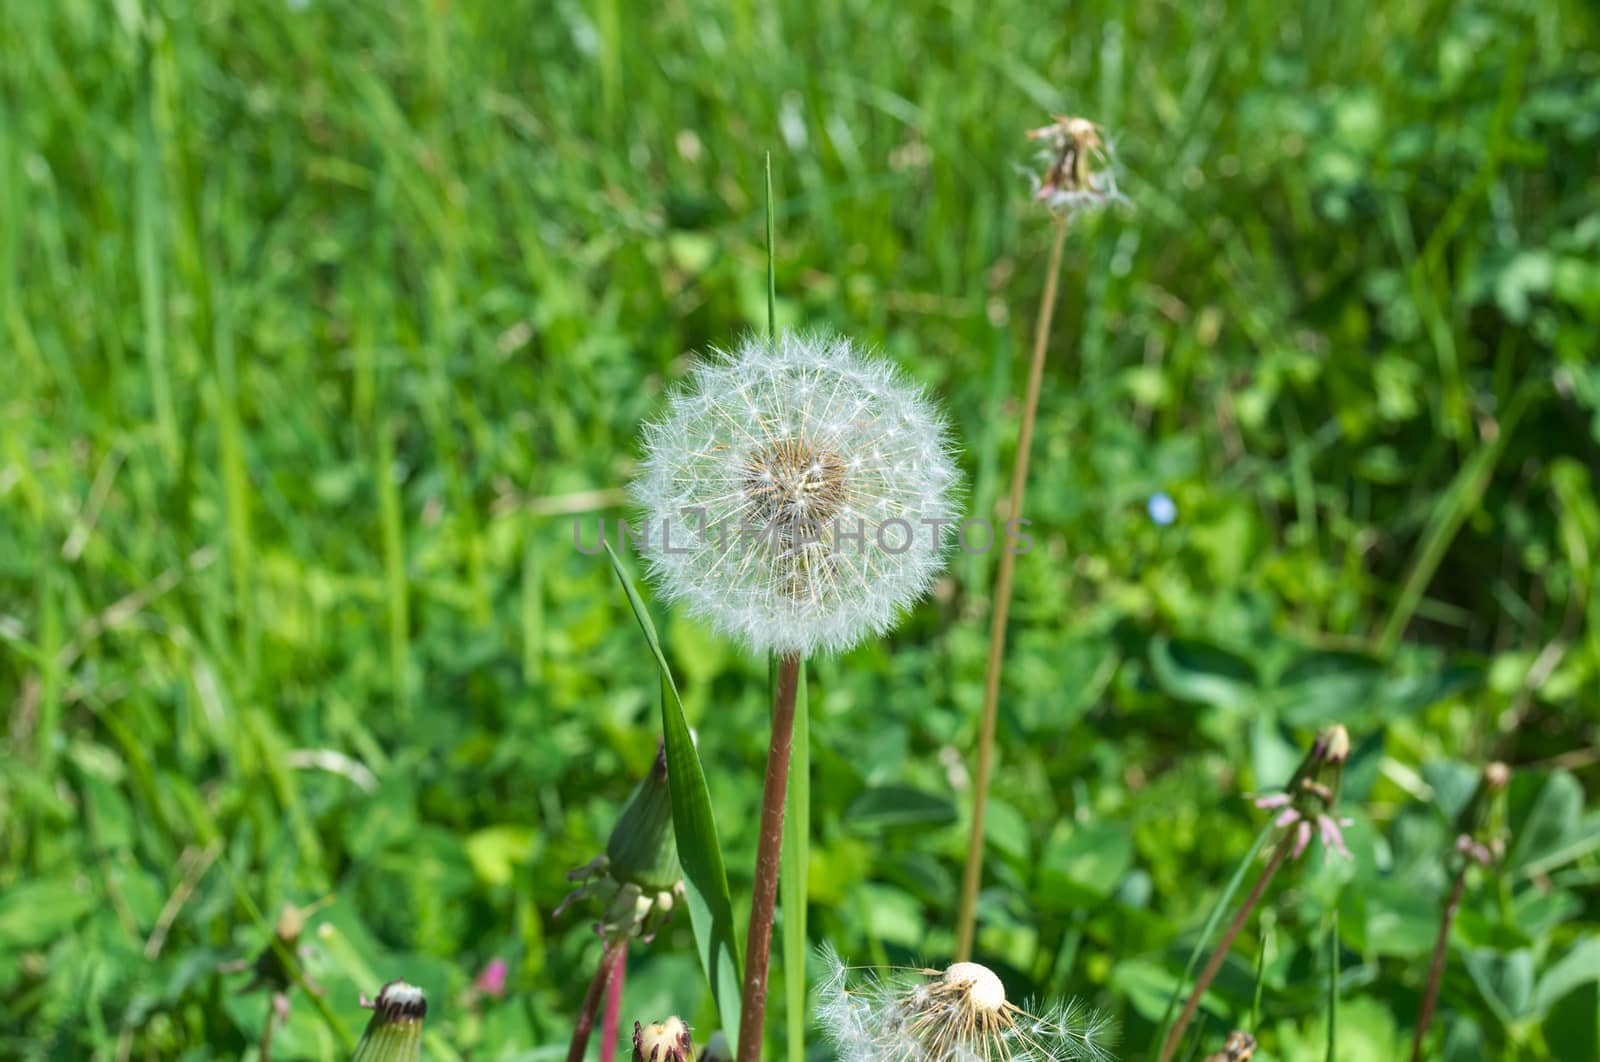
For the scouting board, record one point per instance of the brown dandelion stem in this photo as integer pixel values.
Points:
(1441, 948)
(611, 1017)
(266, 1032)
(972, 876)
(769, 852)
(1225, 944)
(610, 963)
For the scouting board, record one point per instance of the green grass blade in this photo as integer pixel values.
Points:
(1208, 930)
(792, 875)
(772, 270)
(1333, 985)
(705, 878)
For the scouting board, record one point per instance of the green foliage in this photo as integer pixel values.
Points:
(322, 323)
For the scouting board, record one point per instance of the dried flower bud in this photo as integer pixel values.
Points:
(1079, 166)
(395, 1032)
(1481, 825)
(1332, 746)
(1239, 1047)
(1306, 804)
(664, 1041)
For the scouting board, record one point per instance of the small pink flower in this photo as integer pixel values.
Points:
(492, 981)
(1302, 836)
(1327, 827)
(1332, 837)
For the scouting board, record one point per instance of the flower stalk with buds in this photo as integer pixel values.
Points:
(1306, 804)
(1480, 841)
(638, 882)
(1079, 175)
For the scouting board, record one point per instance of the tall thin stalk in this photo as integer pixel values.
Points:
(611, 1017)
(1441, 948)
(610, 961)
(769, 854)
(972, 876)
(1224, 944)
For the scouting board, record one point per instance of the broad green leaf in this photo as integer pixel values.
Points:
(1202, 673)
(1550, 825)
(1505, 979)
(1578, 966)
(898, 805)
(1083, 863)
(705, 878)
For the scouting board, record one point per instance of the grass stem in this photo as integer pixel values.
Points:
(1441, 948)
(769, 854)
(609, 963)
(972, 875)
(1224, 944)
(611, 1018)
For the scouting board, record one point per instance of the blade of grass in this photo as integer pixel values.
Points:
(1459, 501)
(772, 269)
(792, 880)
(1255, 998)
(705, 877)
(396, 591)
(1333, 985)
(1210, 928)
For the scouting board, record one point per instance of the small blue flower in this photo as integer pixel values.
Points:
(1162, 509)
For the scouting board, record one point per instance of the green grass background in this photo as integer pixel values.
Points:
(321, 322)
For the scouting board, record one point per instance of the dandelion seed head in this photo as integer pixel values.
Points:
(960, 1014)
(801, 494)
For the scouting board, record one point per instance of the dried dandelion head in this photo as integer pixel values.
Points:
(1079, 166)
(662, 1041)
(797, 494)
(960, 1014)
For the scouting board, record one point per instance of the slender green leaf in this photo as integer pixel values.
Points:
(772, 269)
(1333, 985)
(705, 878)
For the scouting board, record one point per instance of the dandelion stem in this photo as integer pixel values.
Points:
(972, 876)
(611, 1017)
(610, 962)
(266, 1032)
(1224, 944)
(769, 853)
(1441, 948)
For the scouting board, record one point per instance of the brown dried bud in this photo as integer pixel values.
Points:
(1496, 775)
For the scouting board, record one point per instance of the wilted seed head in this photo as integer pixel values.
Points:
(395, 1032)
(958, 1015)
(1239, 1047)
(1080, 169)
(797, 494)
(662, 1041)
